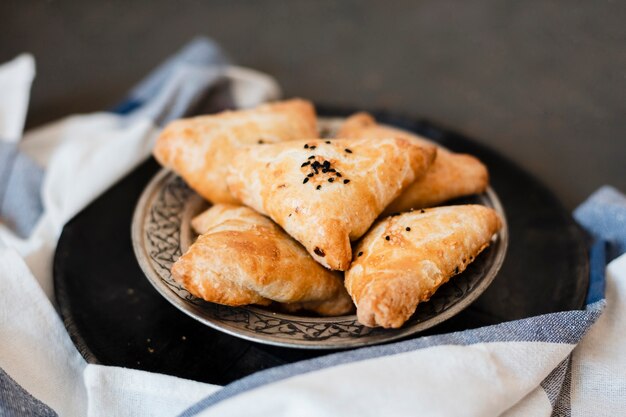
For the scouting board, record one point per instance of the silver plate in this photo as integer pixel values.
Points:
(161, 232)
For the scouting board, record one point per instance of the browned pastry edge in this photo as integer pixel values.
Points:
(404, 259)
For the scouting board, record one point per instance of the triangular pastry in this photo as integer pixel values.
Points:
(242, 257)
(451, 175)
(200, 149)
(326, 193)
(403, 259)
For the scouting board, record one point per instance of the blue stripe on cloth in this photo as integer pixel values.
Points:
(597, 266)
(15, 401)
(184, 78)
(199, 52)
(126, 107)
(20, 182)
(603, 215)
(564, 327)
(557, 386)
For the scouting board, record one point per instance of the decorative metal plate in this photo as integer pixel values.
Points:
(161, 232)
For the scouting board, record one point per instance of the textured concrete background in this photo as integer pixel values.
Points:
(544, 82)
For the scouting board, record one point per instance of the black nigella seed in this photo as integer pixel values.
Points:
(387, 238)
(360, 254)
(328, 142)
(338, 174)
(422, 211)
(305, 164)
(331, 179)
(316, 164)
(260, 142)
(306, 146)
(326, 164)
(310, 175)
(348, 150)
(456, 270)
(319, 187)
(319, 252)
(408, 229)
(305, 180)
(312, 147)
(311, 157)
(346, 181)
(324, 170)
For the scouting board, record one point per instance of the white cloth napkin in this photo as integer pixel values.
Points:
(537, 366)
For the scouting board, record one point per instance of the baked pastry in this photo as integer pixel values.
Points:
(326, 193)
(451, 175)
(242, 257)
(200, 149)
(403, 259)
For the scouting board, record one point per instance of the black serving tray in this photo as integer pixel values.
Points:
(115, 316)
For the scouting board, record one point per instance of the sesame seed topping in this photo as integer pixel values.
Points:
(305, 180)
(346, 181)
(311, 157)
(319, 187)
(310, 175)
(305, 164)
(348, 150)
(408, 229)
(360, 254)
(387, 237)
(331, 179)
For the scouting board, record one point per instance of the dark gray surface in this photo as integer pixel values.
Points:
(544, 82)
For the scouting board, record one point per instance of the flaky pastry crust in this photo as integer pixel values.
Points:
(200, 149)
(242, 257)
(326, 193)
(451, 175)
(403, 259)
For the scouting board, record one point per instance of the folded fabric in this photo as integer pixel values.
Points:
(20, 176)
(543, 365)
(81, 157)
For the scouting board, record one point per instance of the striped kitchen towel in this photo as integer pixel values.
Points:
(565, 363)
